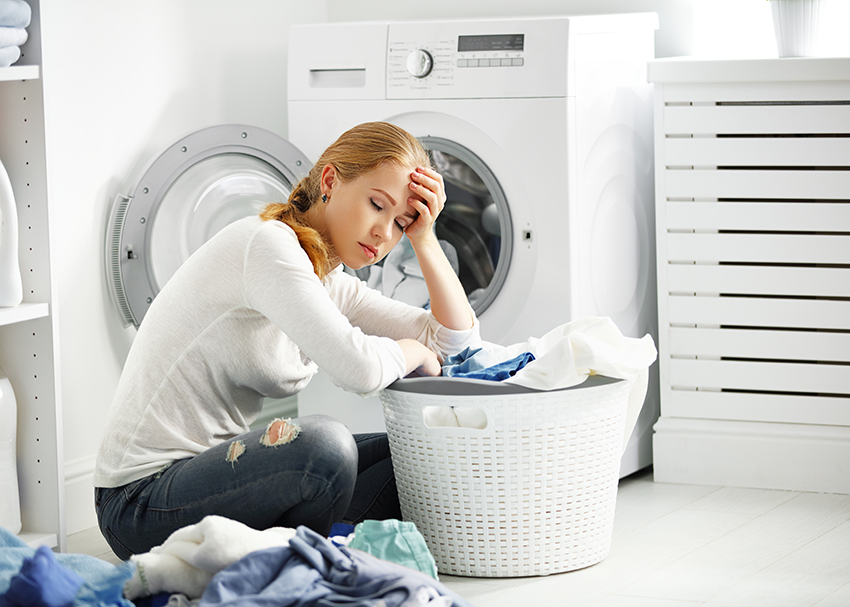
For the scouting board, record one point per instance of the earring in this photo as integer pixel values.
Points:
(324, 198)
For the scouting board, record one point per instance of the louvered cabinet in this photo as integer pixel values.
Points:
(753, 247)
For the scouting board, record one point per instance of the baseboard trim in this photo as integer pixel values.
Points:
(796, 457)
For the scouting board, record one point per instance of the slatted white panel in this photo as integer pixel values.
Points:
(756, 280)
(761, 376)
(758, 184)
(759, 248)
(756, 216)
(745, 151)
(764, 119)
(756, 311)
(754, 239)
(759, 344)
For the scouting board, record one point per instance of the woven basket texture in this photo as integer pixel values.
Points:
(531, 494)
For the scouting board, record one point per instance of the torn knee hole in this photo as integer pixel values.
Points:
(280, 432)
(235, 449)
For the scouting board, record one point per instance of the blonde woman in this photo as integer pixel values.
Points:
(254, 313)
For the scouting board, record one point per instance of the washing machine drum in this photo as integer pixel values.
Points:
(200, 184)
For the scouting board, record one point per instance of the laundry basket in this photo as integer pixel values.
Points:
(532, 492)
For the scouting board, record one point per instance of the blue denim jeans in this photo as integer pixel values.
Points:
(325, 475)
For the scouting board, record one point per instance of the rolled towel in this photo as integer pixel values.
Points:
(12, 36)
(15, 13)
(9, 55)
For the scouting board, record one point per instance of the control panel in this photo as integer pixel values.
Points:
(458, 59)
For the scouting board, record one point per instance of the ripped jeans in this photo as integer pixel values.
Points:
(322, 476)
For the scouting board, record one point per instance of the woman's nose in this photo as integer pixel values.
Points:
(384, 230)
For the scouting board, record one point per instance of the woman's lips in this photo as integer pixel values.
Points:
(371, 252)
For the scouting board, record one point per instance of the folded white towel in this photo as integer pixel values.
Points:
(9, 55)
(12, 36)
(190, 557)
(15, 13)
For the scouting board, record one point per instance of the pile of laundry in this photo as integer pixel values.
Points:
(221, 562)
(15, 17)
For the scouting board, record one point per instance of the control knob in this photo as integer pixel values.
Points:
(420, 63)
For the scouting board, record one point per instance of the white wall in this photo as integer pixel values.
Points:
(122, 80)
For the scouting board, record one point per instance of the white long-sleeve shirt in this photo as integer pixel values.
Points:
(244, 318)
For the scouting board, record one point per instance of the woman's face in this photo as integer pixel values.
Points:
(365, 218)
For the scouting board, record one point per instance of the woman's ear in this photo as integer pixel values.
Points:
(326, 183)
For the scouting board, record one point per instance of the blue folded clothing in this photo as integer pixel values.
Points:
(15, 13)
(476, 363)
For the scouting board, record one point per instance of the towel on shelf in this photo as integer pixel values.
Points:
(12, 36)
(190, 557)
(9, 55)
(15, 13)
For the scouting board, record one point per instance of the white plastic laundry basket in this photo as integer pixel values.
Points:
(532, 493)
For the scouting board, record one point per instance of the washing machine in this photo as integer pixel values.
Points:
(542, 130)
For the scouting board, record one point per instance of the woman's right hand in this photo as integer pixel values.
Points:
(418, 358)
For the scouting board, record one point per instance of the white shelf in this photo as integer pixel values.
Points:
(35, 539)
(19, 72)
(23, 312)
(28, 332)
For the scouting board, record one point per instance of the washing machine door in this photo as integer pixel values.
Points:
(474, 230)
(197, 186)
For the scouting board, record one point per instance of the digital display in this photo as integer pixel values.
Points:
(502, 42)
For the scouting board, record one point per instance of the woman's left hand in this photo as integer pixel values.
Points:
(428, 199)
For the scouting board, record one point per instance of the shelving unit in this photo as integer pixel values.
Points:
(752, 165)
(28, 333)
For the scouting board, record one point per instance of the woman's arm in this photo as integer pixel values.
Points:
(449, 304)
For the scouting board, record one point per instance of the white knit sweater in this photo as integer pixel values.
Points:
(244, 318)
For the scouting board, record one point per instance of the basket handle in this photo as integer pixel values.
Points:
(448, 416)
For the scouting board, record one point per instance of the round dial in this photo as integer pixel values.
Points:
(420, 63)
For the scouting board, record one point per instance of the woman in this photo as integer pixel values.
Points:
(252, 314)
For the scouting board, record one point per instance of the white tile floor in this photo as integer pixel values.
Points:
(684, 546)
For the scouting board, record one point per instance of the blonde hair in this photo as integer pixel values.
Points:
(358, 151)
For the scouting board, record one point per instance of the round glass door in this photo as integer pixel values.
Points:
(197, 186)
(474, 230)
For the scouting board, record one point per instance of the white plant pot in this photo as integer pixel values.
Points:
(796, 24)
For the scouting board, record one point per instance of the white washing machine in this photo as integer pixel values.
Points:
(542, 128)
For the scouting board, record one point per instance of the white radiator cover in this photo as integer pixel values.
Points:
(753, 246)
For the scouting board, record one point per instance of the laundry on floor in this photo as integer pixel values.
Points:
(565, 356)
(313, 570)
(190, 557)
(38, 577)
(219, 562)
(15, 17)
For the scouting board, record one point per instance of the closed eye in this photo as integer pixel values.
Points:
(379, 208)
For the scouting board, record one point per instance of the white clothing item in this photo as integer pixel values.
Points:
(569, 354)
(566, 356)
(190, 557)
(246, 317)
(12, 36)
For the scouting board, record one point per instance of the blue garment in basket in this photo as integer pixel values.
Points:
(475, 363)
